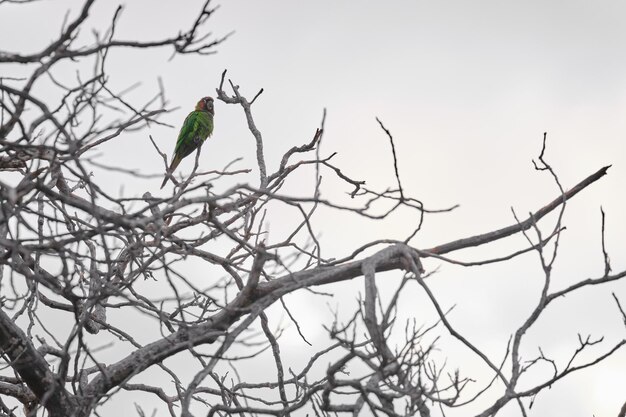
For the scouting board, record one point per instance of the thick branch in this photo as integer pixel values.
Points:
(268, 292)
(33, 369)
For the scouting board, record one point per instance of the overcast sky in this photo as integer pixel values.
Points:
(466, 88)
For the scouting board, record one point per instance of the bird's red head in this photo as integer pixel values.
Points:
(206, 104)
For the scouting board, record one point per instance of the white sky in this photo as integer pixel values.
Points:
(466, 88)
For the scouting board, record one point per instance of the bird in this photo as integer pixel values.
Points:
(197, 127)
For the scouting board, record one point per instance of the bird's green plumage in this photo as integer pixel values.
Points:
(197, 127)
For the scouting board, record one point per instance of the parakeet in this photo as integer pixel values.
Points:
(197, 127)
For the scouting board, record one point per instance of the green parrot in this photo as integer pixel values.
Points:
(197, 127)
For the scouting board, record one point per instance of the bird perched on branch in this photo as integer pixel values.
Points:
(197, 127)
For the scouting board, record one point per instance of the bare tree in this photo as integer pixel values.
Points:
(71, 255)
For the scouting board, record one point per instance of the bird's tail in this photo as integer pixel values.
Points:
(175, 161)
